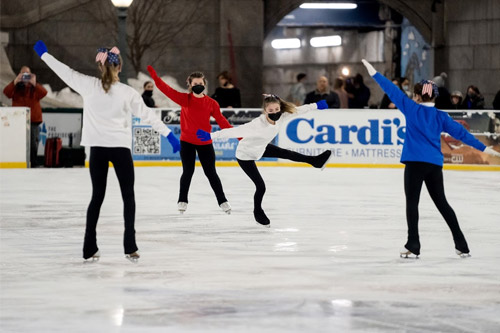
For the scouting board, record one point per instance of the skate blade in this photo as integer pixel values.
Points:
(408, 255)
(228, 212)
(133, 257)
(264, 225)
(462, 254)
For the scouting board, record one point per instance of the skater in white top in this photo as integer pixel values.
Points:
(107, 129)
(255, 143)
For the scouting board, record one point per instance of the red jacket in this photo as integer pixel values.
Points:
(195, 112)
(28, 96)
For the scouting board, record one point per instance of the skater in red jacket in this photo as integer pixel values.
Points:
(196, 110)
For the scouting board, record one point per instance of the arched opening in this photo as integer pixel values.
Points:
(377, 30)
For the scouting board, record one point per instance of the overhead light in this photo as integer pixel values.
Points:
(122, 3)
(286, 43)
(334, 5)
(345, 71)
(326, 41)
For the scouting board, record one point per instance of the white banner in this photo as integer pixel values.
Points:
(354, 135)
(60, 125)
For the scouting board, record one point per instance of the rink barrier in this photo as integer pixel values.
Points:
(456, 167)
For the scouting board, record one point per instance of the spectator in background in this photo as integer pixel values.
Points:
(405, 84)
(339, 89)
(147, 95)
(298, 90)
(474, 100)
(496, 101)
(456, 99)
(386, 102)
(358, 93)
(25, 91)
(323, 91)
(443, 101)
(227, 95)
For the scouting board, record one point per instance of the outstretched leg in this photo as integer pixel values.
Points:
(98, 167)
(434, 183)
(317, 161)
(124, 168)
(250, 168)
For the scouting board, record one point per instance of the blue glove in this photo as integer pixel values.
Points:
(40, 48)
(176, 146)
(202, 135)
(322, 105)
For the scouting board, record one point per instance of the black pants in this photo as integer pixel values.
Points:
(206, 154)
(250, 168)
(415, 174)
(124, 168)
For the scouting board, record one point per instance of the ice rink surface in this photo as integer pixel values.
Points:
(329, 262)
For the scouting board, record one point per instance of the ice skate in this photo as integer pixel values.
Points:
(407, 254)
(226, 207)
(133, 257)
(94, 258)
(462, 254)
(261, 218)
(322, 159)
(182, 206)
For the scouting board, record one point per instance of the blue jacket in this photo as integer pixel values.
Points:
(424, 125)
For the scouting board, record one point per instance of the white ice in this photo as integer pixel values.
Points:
(329, 262)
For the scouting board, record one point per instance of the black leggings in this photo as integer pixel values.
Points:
(124, 168)
(415, 174)
(206, 154)
(250, 168)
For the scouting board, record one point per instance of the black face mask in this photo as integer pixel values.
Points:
(148, 93)
(198, 89)
(274, 116)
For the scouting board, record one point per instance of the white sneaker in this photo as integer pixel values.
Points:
(462, 254)
(407, 254)
(226, 207)
(182, 206)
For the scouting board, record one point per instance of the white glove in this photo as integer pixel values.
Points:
(369, 67)
(491, 152)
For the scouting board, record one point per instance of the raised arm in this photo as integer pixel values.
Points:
(81, 83)
(396, 95)
(312, 106)
(459, 132)
(174, 95)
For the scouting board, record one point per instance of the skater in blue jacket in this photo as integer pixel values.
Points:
(422, 155)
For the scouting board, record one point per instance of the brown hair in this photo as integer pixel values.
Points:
(195, 75)
(284, 105)
(226, 75)
(109, 72)
(338, 83)
(417, 90)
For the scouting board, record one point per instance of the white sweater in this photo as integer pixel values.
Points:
(107, 117)
(258, 133)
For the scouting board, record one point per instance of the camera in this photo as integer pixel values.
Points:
(26, 77)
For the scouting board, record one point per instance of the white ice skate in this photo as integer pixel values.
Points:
(407, 254)
(133, 257)
(462, 254)
(226, 207)
(182, 206)
(95, 257)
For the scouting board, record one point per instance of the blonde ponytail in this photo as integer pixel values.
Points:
(284, 105)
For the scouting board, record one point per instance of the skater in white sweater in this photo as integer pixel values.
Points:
(107, 129)
(255, 143)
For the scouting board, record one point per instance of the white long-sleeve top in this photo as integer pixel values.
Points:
(258, 133)
(107, 117)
